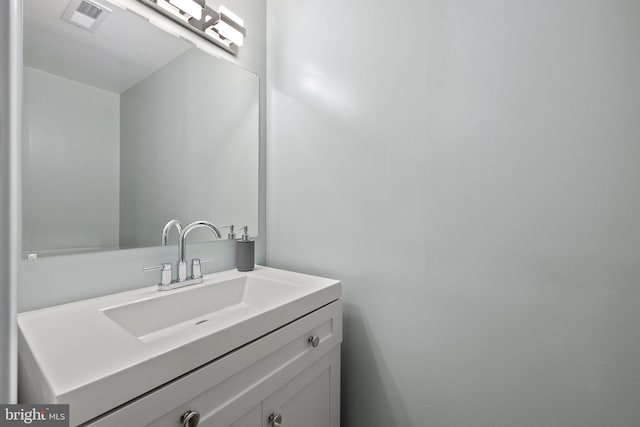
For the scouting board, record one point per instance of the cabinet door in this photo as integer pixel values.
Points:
(311, 399)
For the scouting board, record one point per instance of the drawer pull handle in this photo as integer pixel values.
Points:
(275, 420)
(314, 340)
(190, 419)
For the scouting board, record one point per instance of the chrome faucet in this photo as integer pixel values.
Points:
(167, 229)
(166, 283)
(196, 273)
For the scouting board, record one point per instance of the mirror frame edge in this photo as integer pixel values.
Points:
(160, 21)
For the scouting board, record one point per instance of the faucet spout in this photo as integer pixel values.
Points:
(182, 240)
(167, 229)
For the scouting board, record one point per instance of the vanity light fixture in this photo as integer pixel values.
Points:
(223, 27)
(230, 26)
(191, 7)
(168, 7)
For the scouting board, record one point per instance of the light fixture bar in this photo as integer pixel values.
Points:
(228, 31)
(209, 16)
(168, 7)
(230, 26)
(223, 27)
(225, 11)
(191, 7)
(212, 34)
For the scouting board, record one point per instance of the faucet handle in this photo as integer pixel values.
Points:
(165, 268)
(196, 269)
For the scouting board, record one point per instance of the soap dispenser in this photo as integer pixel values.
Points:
(245, 251)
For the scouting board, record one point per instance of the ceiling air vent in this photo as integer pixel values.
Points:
(90, 10)
(86, 14)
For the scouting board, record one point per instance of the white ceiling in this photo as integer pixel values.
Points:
(124, 50)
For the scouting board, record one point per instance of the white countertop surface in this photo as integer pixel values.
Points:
(76, 354)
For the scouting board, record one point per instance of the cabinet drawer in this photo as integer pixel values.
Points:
(228, 388)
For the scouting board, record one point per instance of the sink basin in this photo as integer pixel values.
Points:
(100, 353)
(169, 313)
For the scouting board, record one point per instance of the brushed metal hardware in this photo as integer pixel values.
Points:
(165, 269)
(190, 419)
(275, 420)
(314, 340)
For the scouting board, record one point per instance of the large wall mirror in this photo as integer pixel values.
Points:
(126, 128)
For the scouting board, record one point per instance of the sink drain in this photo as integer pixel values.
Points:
(201, 322)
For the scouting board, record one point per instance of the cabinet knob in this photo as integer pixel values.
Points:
(190, 419)
(275, 420)
(314, 340)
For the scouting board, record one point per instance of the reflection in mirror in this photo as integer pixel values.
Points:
(126, 128)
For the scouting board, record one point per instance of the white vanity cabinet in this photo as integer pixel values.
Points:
(310, 399)
(289, 377)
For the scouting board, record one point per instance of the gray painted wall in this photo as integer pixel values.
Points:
(60, 279)
(71, 164)
(470, 171)
(10, 57)
(205, 168)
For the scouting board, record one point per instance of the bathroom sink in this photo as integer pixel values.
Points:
(171, 312)
(100, 353)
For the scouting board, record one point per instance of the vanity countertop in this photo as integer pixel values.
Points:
(100, 353)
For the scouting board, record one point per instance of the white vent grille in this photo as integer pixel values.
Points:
(90, 10)
(85, 14)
